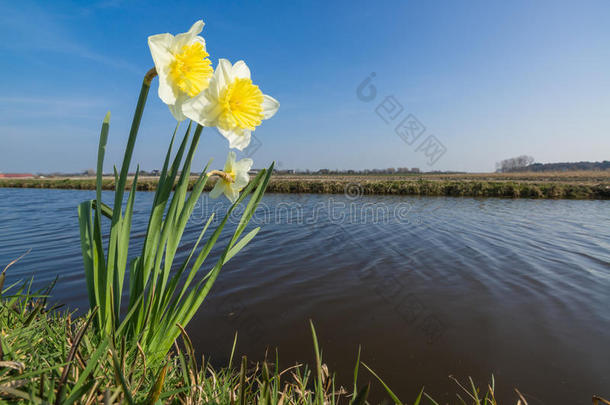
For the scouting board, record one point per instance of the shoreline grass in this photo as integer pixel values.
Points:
(49, 356)
(474, 186)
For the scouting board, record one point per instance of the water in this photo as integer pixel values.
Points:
(428, 286)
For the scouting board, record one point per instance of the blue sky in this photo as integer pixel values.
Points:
(489, 80)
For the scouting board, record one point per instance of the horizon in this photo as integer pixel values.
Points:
(396, 170)
(480, 84)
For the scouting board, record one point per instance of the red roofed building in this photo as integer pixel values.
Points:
(16, 175)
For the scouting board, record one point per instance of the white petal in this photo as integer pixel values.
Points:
(223, 73)
(160, 49)
(241, 70)
(200, 40)
(218, 189)
(187, 38)
(243, 165)
(201, 109)
(230, 163)
(237, 140)
(270, 106)
(214, 88)
(166, 92)
(242, 177)
(176, 110)
(162, 57)
(240, 182)
(232, 194)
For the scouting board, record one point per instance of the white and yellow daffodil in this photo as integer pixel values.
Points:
(233, 178)
(182, 65)
(232, 104)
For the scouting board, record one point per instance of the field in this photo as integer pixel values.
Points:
(578, 177)
(572, 185)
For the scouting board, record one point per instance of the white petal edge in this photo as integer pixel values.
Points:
(159, 49)
(230, 163)
(242, 168)
(232, 194)
(198, 108)
(241, 70)
(218, 189)
(223, 74)
(187, 37)
(243, 165)
(236, 140)
(270, 106)
(176, 110)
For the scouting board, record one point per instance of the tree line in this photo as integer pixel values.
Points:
(525, 163)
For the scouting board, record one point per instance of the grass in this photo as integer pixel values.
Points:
(449, 188)
(561, 185)
(375, 186)
(580, 176)
(49, 356)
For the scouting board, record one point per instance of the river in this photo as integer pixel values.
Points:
(429, 287)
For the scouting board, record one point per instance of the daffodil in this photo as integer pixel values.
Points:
(182, 65)
(232, 179)
(232, 104)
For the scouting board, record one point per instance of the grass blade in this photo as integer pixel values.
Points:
(360, 398)
(388, 390)
(319, 389)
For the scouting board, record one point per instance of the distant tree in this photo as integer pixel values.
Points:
(89, 172)
(514, 164)
(568, 166)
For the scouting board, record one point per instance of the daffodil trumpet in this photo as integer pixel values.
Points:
(231, 103)
(183, 66)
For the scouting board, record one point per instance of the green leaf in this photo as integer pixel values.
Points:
(88, 251)
(320, 387)
(92, 364)
(418, 399)
(118, 372)
(388, 390)
(360, 398)
(241, 244)
(356, 371)
(106, 209)
(155, 391)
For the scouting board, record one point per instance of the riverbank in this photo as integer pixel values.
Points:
(561, 185)
(48, 356)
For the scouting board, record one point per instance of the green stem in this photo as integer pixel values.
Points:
(112, 271)
(133, 133)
